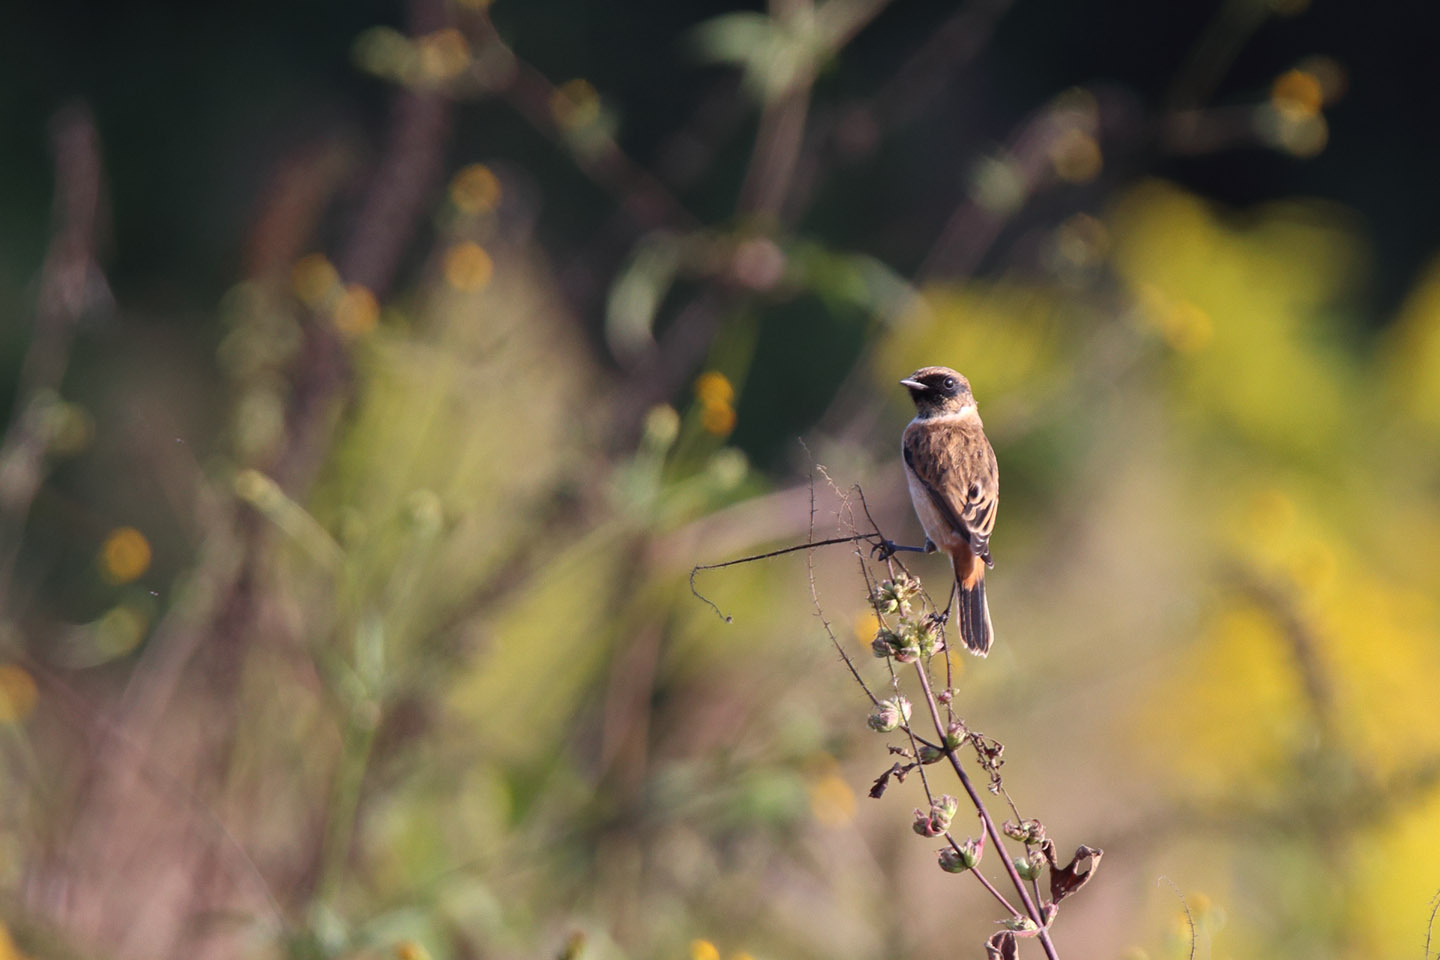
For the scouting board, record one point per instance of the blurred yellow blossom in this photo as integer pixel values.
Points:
(125, 555)
(1270, 513)
(1241, 669)
(717, 396)
(475, 189)
(866, 623)
(8, 949)
(1010, 335)
(958, 662)
(575, 104)
(1387, 886)
(1183, 324)
(468, 267)
(703, 950)
(444, 55)
(357, 311)
(1298, 93)
(1412, 350)
(718, 419)
(1257, 292)
(17, 694)
(714, 389)
(314, 280)
(1076, 156)
(69, 428)
(411, 950)
(832, 801)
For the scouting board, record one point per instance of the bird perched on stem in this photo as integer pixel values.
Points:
(955, 487)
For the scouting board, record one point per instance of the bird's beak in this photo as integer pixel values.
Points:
(913, 384)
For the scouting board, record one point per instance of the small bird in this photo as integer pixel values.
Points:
(955, 487)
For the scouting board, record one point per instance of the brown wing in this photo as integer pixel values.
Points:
(956, 465)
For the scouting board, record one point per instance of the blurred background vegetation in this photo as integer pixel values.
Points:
(378, 371)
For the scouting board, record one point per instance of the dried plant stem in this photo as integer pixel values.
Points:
(1031, 909)
(1030, 895)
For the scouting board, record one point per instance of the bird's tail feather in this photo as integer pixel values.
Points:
(973, 616)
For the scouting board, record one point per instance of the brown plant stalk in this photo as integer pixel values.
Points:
(893, 596)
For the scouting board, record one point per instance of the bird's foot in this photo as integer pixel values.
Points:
(886, 549)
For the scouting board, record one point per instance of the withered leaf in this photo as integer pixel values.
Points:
(1075, 874)
(1002, 946)
(898, 771)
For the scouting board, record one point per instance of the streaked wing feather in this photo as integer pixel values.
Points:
(952, 460)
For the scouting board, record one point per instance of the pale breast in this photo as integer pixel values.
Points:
(936, 527)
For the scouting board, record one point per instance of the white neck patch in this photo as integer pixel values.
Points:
(963, 413)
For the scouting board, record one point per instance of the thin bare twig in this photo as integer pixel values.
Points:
(1190, 918)
(760, 556)
(815, 597)
(1430, 925)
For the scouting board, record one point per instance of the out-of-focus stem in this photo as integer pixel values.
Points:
(359, 737)
(70, 281)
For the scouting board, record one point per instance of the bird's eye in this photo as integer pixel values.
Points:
(949, 383)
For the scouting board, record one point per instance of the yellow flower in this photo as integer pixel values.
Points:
(468, 267)
(125, 555)
(1297, 93)
(17, 695)
(1189, 328)
(832, 802)
(575, 104)
(314, 280)
(718, 419)
(866, 623)
(444, 54)
(357, 311)
(8, 950)
(703, 950)
(714, 389)
(1076, 156)
(475, 189)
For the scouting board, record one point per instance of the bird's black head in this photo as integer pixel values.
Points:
(938, 390)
